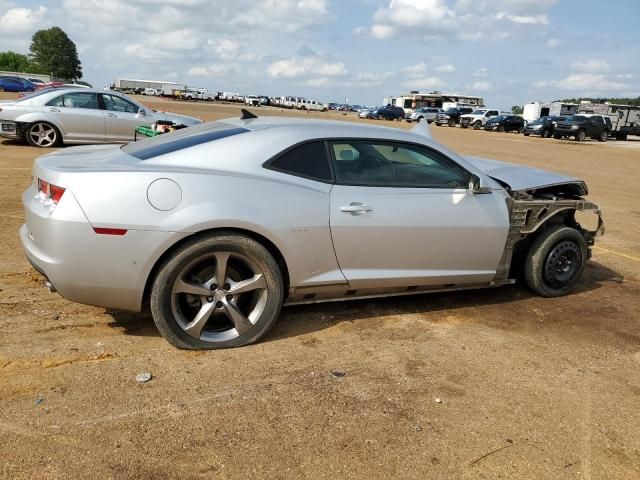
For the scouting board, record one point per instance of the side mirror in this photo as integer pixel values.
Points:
(141, 112)
(475, 185)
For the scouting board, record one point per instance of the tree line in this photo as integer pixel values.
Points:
(52, 52)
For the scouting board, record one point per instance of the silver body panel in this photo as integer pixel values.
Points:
(83, 125)
(412, 239)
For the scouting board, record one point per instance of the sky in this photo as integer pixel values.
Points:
(510, 52)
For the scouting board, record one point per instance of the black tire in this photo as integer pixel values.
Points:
(1, 89)
(521, 130)
(546, 133)
(500, 128)
(526, 134)
(580, 136)
(557, 137)
(603, 136)
(200, 251)
(477, 125)
(452, 123)
(34, 127)
(378, 117)
(555, 261)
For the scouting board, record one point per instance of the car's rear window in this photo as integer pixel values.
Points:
(184, 138)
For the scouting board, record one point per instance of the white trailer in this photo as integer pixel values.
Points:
(534, 110)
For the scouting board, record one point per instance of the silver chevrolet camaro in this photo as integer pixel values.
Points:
(54, 116)
(216, 226)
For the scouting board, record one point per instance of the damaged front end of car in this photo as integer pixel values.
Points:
(535, 209)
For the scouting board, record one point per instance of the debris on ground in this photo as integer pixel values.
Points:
(143, 377)
(39, 400)
(337, 373)
(437, 400)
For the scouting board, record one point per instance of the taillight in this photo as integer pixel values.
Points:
(110, 231)
(50, 191)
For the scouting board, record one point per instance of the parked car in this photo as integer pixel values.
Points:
(478, 118)
(125, 227)
(451, 116)
(54, 116)
(389, 112)
(150, 91)
(543, 126)
(429, 114)
(368, 112)
(252, 101)
(582, 126)
(505, 123)
(16, 84)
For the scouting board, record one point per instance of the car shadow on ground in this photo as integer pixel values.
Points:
(304, 319)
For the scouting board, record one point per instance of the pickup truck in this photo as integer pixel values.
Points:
(478, 118)
(451, 116)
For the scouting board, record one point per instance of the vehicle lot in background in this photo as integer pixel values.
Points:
(451, 116)
(553, 381)
(579, 127)
(428, 113)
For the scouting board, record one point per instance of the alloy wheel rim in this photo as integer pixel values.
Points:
(43, 135)
(219, 297)
(562, 264)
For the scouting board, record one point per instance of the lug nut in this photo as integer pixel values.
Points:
(209, 299)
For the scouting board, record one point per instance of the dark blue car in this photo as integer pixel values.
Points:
(16, 84)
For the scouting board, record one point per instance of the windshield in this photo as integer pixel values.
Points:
(578, 118)
(180, 139)
(479, 112)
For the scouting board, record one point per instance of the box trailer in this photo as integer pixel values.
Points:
(534, 110)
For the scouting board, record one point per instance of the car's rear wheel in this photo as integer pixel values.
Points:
(43, 135)
(545, 133)
(477, 125)
(215, 292)
(580, 136)
(557, 137)
(555, 261)
(452, 123)
(603, 136)
(378, 117)
(521, 130)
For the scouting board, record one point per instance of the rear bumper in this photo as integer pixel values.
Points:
(85, 267)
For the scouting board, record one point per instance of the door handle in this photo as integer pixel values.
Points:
(355, 208)
(111, 115)
(54, 110)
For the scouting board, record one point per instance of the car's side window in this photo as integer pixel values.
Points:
(308, 160)
(391, 164)
(76, 100)
(113, 103)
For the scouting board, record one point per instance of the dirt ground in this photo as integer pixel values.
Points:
(529, 387)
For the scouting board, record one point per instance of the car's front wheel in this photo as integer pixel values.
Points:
(43, 135)
(555, 261)
(452, 123)
(545, 133)
(220, 291)
(581, 135)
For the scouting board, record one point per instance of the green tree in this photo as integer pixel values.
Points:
(516, 110)
(15, 62)
(54, 52)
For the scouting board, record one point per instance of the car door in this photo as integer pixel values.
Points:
(403, 215)
(122, 117)
(78, 115)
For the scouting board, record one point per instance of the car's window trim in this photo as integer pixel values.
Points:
(448, 159)
(268, 164)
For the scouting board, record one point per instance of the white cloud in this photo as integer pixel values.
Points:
(19, 20)
(226, 48)
(553, 43)
(446, 68)
(467, 20)
(587, 83)
(296, 67)
(540, 19)
(593, 65)
(287, 15)
(415, 71)
(481, 72)
(481, 86)
(214, 70)
(424, 83)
